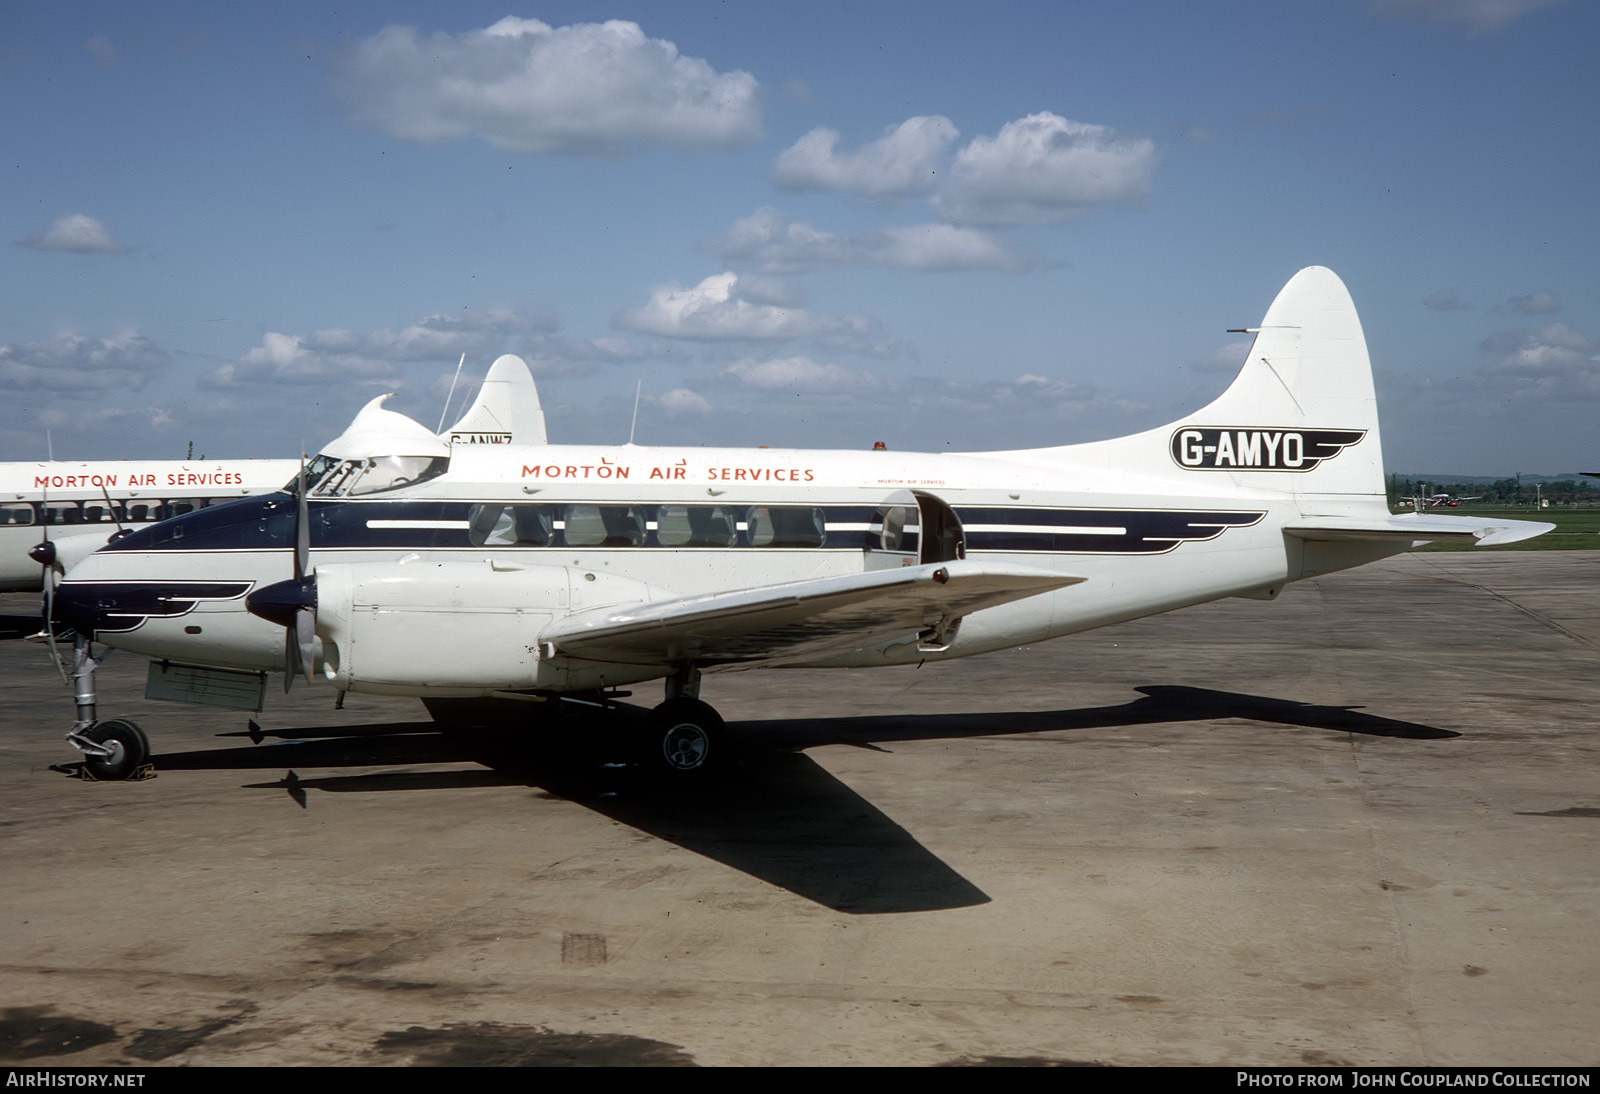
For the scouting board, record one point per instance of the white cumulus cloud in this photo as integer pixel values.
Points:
(71, 362)
(327, 356)
(382, 356)
(799, 375)
(1553, 363)
(75, 232)
(770, 241)
(908, 159)
(1044, 168)
(525, 86)
(683, 401)
(1037, 169)
(722, 308)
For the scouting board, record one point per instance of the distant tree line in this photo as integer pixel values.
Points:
(1512, 491)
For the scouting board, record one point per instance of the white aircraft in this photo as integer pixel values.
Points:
(1435, 501)
(77, 507)
(532, 573)
(80, 505)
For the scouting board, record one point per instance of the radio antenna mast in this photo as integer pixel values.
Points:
(452, 394)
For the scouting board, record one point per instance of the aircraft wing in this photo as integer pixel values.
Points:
(795, 620)
(1487, 531)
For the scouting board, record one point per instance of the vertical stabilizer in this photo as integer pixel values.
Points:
(1301, 416)
(506, 411)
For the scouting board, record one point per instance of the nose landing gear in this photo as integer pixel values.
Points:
(112, 750)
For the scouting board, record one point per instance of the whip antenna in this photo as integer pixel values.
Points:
(452, 394)
(635, 425)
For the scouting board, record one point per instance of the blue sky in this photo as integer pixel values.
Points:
(939, 225)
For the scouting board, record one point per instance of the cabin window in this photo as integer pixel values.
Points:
(95, 512)
(586, 524)
(534, 525)
(63, 512)
(696, 526)
(16, 513)
(511, 526)
(604, 526)
(894, 528)
(771, 526)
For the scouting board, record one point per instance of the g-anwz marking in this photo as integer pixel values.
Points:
(1233, 448)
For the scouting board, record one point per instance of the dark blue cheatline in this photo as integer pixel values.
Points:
(1095, 531)
(266, 522)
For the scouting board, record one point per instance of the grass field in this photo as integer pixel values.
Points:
(1576, 529)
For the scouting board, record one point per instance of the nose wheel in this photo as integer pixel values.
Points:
(113, 750)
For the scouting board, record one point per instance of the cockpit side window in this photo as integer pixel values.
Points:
(316, 471)
(393, 472)
(336, 483)
(356, 478)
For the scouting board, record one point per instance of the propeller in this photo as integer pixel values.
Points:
(292, 604)
(44, 554)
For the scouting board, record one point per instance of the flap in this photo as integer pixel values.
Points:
(796, 619)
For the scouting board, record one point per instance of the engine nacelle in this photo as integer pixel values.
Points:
(461, 628)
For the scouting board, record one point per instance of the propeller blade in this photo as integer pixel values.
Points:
(50, 623)
(292, 604)
(291, 660)
(45, 555)
(305, 638)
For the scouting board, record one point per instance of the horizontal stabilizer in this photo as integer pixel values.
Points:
(801, 619)
(1420, 527)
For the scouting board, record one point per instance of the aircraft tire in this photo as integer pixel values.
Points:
(686, 739)
(130, 749)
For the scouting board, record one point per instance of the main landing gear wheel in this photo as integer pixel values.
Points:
(685, 739)
(130, 749)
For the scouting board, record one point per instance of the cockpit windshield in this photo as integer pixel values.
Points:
(327, 477)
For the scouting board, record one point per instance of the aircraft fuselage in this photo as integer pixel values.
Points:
(628, 523)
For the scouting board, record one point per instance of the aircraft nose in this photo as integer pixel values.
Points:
(83, 608)
(101, 606)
